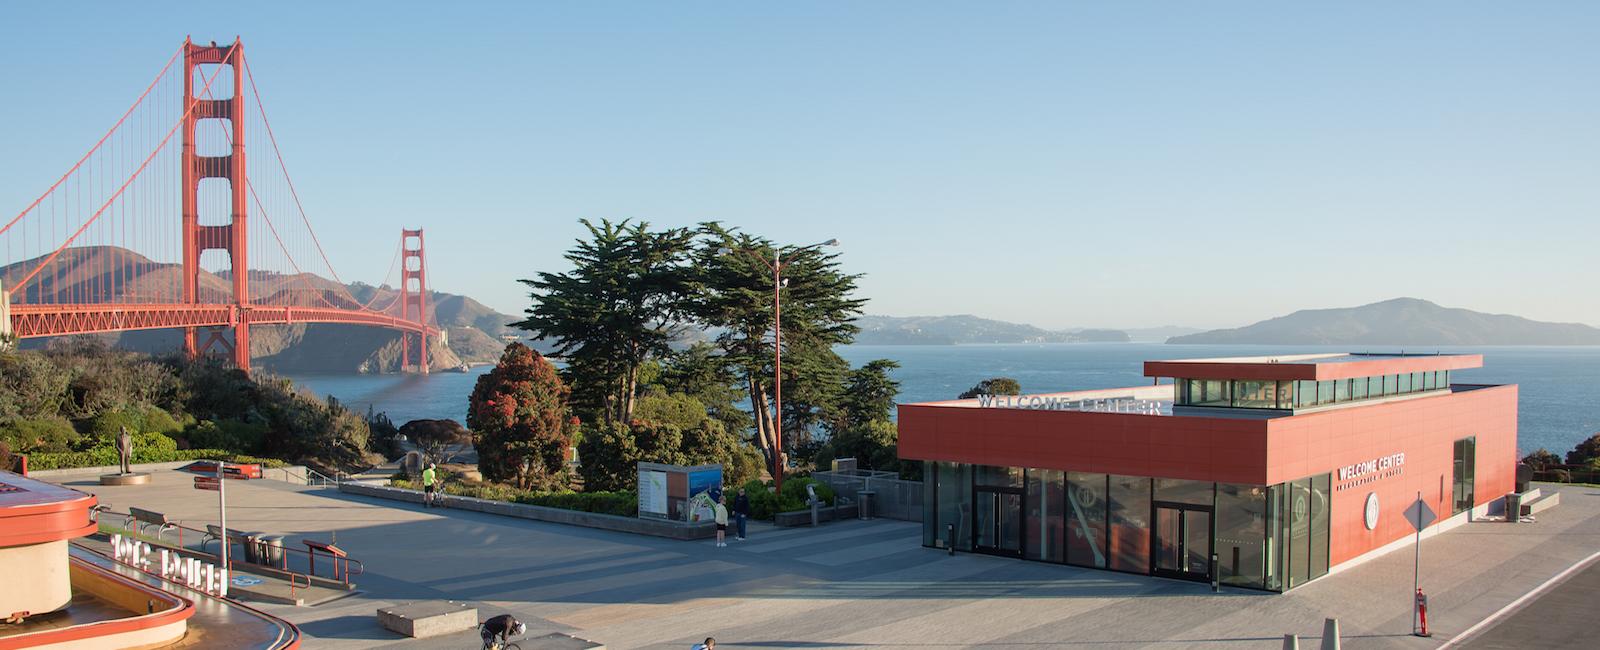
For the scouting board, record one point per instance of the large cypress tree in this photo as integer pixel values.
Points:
(623, 301)
(736, 291)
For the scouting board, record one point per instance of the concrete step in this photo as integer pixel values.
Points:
(1542, 503)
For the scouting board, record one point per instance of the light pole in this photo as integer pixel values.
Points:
(776, 265)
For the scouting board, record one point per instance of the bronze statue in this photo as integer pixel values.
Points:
(125, 451)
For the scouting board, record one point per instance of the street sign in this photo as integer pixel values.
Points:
(1420, 515)
(207, 483)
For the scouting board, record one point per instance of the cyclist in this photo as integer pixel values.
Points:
(498, 630)
(430, 497)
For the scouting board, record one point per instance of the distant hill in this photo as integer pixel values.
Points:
(1159, 334)
(1401, 321)
(474, 331)
(968, 329)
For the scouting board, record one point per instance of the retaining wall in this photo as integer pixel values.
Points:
(653, 527)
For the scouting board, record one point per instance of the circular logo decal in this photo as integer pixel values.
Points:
(1301, 508)
(1372, 510)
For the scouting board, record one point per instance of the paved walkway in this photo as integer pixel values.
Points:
(852, 584)
(1560, 618)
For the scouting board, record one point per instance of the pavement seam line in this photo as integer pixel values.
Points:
(1517, 604)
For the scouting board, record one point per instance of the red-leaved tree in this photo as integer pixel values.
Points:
(520, 423)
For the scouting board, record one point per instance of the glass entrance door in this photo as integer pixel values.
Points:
(1180, 543)
(997, 524)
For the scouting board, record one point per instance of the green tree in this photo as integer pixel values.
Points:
(1586, 452)
(519, 416)
(736, 299)
(1540, 459)
(862, 426)
(435, 438)
(702, 372)
(995, 386)
(622, 303)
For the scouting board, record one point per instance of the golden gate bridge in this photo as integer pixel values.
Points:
(151, 229)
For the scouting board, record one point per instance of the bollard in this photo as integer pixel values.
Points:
(1216, 576)
(950, 534)
(1330, 634)
(1422, 612)
(1291, 642)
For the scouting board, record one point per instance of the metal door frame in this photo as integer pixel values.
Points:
(1183, 532)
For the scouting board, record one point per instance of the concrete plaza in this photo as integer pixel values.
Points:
(854, 584)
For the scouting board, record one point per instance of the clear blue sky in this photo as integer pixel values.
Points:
(1134, 164)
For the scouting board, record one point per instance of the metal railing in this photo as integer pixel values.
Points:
(287, 567)
(892, 497)
(300, 475)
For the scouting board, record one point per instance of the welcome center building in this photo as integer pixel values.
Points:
(1263, 472)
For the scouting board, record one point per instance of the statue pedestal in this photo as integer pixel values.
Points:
(131, 478)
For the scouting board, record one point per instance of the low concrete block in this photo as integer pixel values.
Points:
(428, 618)
(559, 641)
(131, 478)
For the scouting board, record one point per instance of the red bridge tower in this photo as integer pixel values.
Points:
(232, 237)
(413, 298)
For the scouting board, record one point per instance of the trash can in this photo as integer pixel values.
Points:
(864, 500)
(1513, 507)
(269, 550)
(250, 544)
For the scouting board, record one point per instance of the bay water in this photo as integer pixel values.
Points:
(1559, 386)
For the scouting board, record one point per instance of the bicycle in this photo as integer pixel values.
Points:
(495, 644)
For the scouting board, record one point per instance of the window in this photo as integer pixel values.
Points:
(1463, 473)
(1208, 392)
(1417, 381)
(998, 476)
(930, 499)
(953, 505)
(1241, 537)
(1305, 393)
(1341, 390)
(1298, 518)
(1405, 383)
(1129, 544)
(1255, 394)
(1358, 388)
(1086, 519)
(1042, 532)
(1285, 394)
(1325, 392)
(1180, 491)
(1320, 485)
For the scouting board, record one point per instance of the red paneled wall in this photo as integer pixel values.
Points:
(1195, 448)
(1425, 430)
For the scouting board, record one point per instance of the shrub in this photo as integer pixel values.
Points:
(232, 435)
(104, 456)
(620, 503)
(26, 436)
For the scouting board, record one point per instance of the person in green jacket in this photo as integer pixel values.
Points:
(430, 486)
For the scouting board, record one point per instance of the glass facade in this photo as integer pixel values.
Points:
(1086, 519)
(1263, 537)
(1285, 395)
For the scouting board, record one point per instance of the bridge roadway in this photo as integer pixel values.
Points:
(28, 321)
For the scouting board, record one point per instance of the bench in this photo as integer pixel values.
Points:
(142, 519)
(1540, 503)
(214, 532)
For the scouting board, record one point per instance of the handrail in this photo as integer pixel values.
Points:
(283, 566)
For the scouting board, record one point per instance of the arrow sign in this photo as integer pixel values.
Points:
(1420, 515)
(207, 483)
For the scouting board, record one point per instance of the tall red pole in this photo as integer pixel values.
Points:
(777, 370)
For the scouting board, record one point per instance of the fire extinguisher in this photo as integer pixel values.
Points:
(1422, 612)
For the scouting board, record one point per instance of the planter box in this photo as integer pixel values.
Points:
(652, 527)
(803, 517)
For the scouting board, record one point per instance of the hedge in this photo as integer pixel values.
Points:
(625, 504)
(105, 457)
